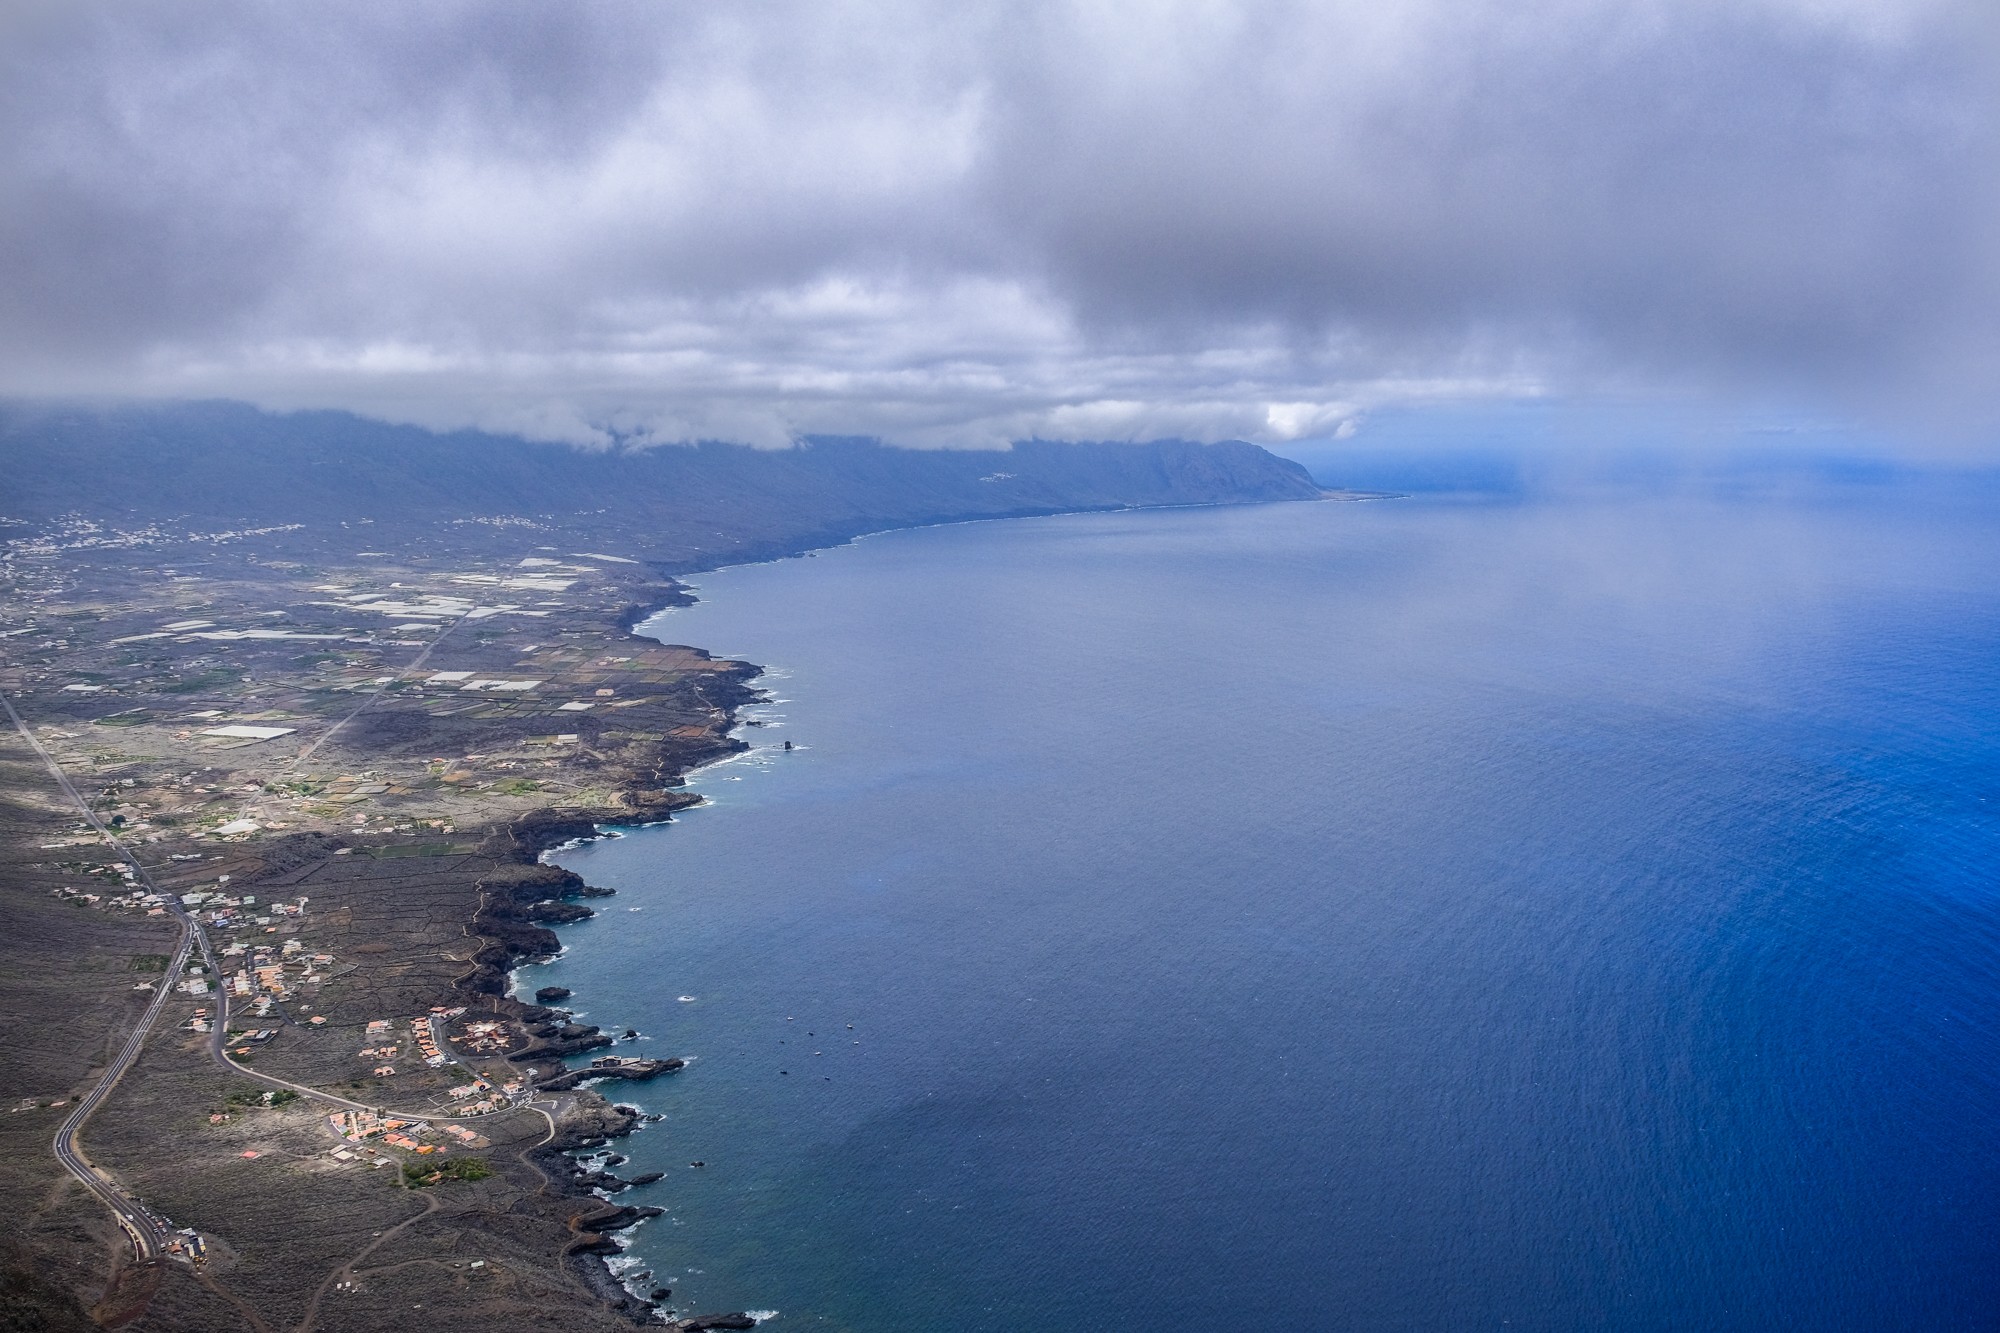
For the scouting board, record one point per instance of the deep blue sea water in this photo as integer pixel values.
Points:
(1572, 908)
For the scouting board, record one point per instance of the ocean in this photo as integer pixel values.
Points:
(1564, 905)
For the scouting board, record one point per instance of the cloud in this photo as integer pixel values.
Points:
(968, 222)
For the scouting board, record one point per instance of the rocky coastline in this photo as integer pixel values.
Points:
(388, 703)
(518, 905)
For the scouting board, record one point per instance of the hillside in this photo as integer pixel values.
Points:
(227, 465)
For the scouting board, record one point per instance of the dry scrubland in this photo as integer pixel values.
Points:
(420, 728)
(336, 685)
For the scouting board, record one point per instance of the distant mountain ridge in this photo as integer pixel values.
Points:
(229, 464)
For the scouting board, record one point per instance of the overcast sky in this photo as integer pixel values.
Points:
(962, 222)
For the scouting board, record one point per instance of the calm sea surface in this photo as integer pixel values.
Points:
(1568, 910)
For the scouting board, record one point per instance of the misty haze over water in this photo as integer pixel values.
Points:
(1555, 892)
(1557, 907)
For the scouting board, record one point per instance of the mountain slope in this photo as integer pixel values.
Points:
(227, 465)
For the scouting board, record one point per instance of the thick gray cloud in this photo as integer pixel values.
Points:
(960, 222)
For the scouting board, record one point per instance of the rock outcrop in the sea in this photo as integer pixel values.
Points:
(548, 993)
(636, 1070)
(520, 888)
(555, 1042)
(703, 1323)
(593, 1229)
(557, 914)
(517, 903)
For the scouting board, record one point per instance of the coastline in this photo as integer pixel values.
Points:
(512, 939)
(424, 894)
(510, 945)
(517, 930)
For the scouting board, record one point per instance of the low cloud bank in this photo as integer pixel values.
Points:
(958, 224)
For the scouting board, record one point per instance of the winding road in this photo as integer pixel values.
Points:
(147, 1231)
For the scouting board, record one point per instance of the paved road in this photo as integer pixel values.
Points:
(216, 1048)
(416, 663)
(147, 1231)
